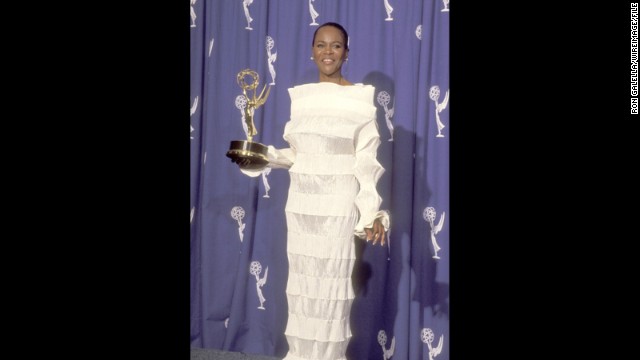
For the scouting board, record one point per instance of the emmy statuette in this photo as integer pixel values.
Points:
(247, 153)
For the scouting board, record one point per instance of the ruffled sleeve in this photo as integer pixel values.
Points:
(278, 159)
(368, 171)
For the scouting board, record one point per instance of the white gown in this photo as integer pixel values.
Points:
(332, 196)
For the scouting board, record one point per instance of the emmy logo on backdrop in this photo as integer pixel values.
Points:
(247, 153)
(446, 6)
(271, 58)
(434, 94)
(265, 182)
(255, 269)
(241, 104)
(426, 335)
(429, 214)
(193, 14)
(245, 5)
(314, 14)
(382, 340)
(383, 99)
(389, 10)
(194, 107)
(237, 213)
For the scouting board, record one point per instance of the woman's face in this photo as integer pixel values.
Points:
(329, 52)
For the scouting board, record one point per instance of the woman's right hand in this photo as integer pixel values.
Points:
(242, 162)
(377, 233)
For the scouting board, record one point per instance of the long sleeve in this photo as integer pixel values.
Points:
(368, 171)
(278, 159)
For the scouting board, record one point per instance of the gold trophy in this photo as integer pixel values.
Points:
(247, 153)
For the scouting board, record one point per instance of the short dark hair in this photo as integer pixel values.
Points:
(337, 26)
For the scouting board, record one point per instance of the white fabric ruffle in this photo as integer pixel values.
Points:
(304, 349)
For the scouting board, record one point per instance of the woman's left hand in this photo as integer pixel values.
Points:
(376, 233)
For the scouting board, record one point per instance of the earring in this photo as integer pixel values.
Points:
(312, 58)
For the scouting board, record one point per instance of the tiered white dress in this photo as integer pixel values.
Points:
(332, 197)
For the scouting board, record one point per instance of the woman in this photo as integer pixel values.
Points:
(332, 197)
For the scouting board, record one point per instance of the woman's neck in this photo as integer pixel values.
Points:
(336, 80)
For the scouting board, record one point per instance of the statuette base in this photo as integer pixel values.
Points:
(255, 152)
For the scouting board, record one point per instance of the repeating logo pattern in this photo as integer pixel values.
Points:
(383, 99)
(194, 107)
(429, 214)
(314, 14)
(446, 6)
(382, 340)
(389, 10)
(237, 213)
(434, 94)
(265, 182)
(255, 269)
(193, 13)
(419, 32)
(241, 104)
(247, 15)
(427, 336)
(271, 58)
